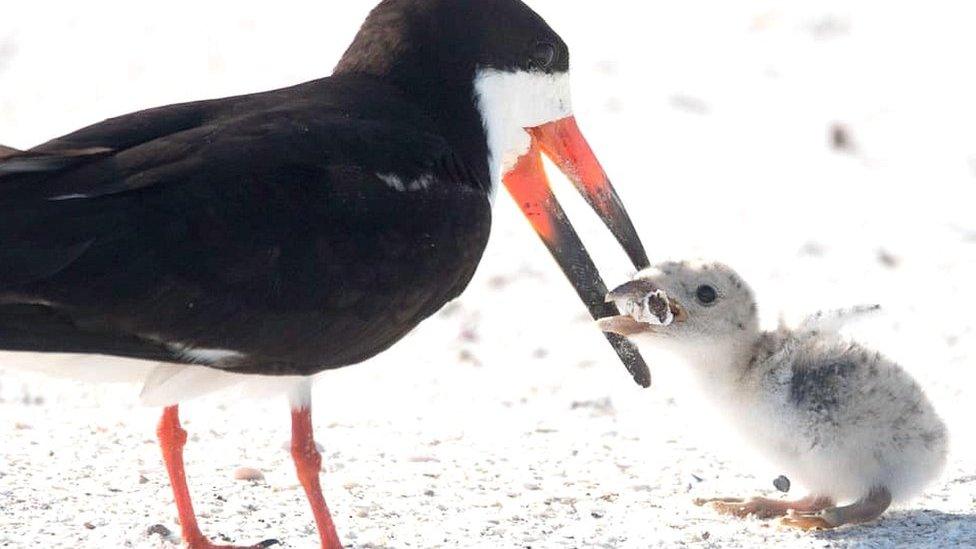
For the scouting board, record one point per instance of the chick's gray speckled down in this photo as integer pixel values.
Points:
(842, 420)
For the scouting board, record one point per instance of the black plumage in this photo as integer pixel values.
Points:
(257, 224)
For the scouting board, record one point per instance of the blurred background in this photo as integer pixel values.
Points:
(826, 150)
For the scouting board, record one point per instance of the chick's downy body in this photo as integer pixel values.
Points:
(839, 418)
(844, 421)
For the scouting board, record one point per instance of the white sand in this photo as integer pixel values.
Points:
(506, 420)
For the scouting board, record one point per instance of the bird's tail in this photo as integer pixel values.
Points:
(7, 152)
(9, 159)
(15, 162)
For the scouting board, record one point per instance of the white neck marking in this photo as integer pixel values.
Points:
(509, 103)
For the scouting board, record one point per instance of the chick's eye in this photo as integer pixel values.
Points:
(706, 294)
(543, 55)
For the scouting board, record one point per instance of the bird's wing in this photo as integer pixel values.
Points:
(185, 231)
(106, 157)
(50, 215)
(23, 162)
(103, 140)
(6, 152)
(822, 375)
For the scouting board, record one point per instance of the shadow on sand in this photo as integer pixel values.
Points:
(910, 528)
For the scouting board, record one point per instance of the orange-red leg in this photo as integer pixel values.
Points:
(308, 463)
(764, 508)
(864, 510)
(172, 438)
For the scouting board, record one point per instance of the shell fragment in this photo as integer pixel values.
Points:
(654, 308)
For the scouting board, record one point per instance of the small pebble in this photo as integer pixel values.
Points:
(840, 138)
(159, 530)
(248, 473)
(782, 484)
(888, 259)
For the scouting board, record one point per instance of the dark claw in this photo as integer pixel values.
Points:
(267, 543)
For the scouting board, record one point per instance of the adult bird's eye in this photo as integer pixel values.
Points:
(543, 55)
(706, 294)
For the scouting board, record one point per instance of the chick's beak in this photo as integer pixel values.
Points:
(629, 297)
(624, 325)
(565, 145)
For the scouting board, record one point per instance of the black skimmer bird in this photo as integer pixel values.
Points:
(303, 229)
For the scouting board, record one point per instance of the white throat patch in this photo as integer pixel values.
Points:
(509, 103)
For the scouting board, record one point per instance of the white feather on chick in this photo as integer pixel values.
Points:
(843, 420)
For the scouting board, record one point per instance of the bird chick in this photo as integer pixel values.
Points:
(842, 420)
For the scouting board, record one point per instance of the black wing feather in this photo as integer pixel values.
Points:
(258, 224)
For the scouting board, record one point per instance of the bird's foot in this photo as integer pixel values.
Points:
(807, 521)
(758, 507)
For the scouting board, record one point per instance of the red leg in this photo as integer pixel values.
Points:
(172, 438)
(308, 463)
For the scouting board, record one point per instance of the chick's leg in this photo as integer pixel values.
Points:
(864, 510)
(765, 508)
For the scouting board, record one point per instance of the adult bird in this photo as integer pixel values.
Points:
(303, 229)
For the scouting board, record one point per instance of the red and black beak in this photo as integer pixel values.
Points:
(565, 145)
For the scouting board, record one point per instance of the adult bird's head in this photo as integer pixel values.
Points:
(494, 77)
